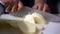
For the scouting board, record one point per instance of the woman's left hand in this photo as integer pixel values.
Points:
(41, 7)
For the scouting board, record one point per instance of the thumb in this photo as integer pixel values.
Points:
(46, 8)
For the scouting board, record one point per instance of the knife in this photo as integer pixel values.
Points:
(27, 10)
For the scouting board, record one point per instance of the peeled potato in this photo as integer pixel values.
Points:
(39, 18)
(29, 24)
(36, 19)
(39, 27)
(27, 27)
(29, 18)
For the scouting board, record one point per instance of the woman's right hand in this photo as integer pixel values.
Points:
(12, 5)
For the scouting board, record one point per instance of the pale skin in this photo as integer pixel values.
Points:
(41, 5)
(17, 5)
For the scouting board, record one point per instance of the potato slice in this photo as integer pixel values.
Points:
(29, 18)
(39, 27)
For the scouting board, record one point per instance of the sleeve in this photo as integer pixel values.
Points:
(1, 2)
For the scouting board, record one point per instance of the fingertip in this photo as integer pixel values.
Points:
(7, 10)
(46, 8)
(14, 8)
(35, 7)
(12, 11)
(20, 6)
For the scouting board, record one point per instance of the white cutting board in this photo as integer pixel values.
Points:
(52, 28)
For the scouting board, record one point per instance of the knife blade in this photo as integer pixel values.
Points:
(27, 10)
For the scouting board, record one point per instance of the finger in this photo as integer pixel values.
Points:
(15, 7)
(6, 4)
(20, 6)
(46, 8)
(9, 7)
(40, 7)
(35, 7)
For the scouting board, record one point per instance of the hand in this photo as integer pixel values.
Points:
(41, 7)
(12, 5)
(38, 6)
